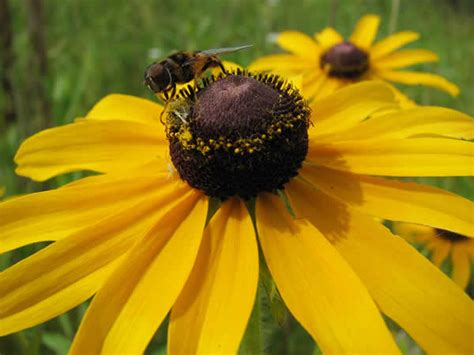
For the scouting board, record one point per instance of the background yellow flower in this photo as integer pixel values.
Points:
(443, 246)
(329, 62)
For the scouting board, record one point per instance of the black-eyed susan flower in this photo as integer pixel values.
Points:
(443, 246)
(135, 236)
(328, 62)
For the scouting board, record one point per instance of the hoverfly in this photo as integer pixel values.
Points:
(182, 67)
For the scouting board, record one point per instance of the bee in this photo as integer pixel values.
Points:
(182, 67)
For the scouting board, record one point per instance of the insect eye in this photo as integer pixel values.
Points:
(151, 84)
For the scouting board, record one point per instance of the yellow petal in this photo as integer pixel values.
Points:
(230, 66)
(396, 200)
(282, 62)
(130, 306)
(391, 43)
(54, 215)
(405, 285)
(327, 38)
(348, 107)
(97, 145)
(397, 157)
(414, 233)
(300, 44)
(328, 87)
(127, 108)
(296, 81)
(312, 81)
(405, 58)
(318, 286)
(436, 242)
(440, 253)
(416, 78)
(365, 31)
(71, 270)
(64, 297)
(461, 263)
(402, 100)
(211, 314)
(414, 122)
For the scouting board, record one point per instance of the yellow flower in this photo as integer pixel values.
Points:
(135, 236)
(328, 62)
(442, 245)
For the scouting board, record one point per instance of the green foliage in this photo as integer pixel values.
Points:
(56, 342)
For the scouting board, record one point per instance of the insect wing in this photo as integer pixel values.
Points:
(217, 51)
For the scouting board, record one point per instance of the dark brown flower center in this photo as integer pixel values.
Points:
(451, 236)
(238, 134)
(345, 60)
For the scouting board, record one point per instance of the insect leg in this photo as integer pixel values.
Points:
(163, 111)
(173, 90)
(167, 99)
(222, 67)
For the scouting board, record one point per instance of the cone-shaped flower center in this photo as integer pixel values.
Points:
(238, 134)
(345, 60)
(451, 236)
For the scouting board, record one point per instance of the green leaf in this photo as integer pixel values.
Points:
(282, 195)
(56, 342)
(214, 205)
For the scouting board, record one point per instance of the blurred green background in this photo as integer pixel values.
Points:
(61, 56)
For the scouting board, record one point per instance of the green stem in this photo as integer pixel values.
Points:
(253, 341)
(392, 25)
(332, 13)
(20, 342)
